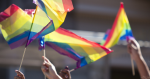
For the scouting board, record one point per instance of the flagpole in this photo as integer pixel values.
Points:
(27, 41)
(133, 71)
(132, 63)
(71, 70)
(44, 59)
(22, 58)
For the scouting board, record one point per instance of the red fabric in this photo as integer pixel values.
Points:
(3, 16)
(68, 6)
(114, 25)
(8, 12)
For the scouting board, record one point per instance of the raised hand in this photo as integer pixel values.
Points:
(20, 75)
(134, 49)
(49, 70)
(65, 73)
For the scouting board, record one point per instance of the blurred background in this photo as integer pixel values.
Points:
(89, 19)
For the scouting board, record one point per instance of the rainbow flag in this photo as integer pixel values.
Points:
(16, 26)
(75, 47)
(57, 16)
(105, 37)
(41, 26)
(120, 30)
(60, 5)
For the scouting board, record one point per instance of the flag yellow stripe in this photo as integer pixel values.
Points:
(25, 27)
(57, 17)
(80, 51)
(55, 37)
(118, 30)
(91, 52)
(40, 21)
(12, 26)
(56, 5)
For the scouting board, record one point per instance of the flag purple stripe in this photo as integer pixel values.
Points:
(18, 43)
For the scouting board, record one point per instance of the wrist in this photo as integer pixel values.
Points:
(56, 76)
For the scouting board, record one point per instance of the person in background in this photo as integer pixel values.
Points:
(49, 71)
(135, 53)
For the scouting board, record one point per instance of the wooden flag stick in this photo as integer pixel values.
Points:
(132, 63)
(44, 54)
(22, 58)
(71, 70)
(133, 71)
(44, 60)
(27, 41)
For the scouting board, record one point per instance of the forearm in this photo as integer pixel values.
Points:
(142, 68)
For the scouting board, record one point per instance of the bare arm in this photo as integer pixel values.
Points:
(135, 52)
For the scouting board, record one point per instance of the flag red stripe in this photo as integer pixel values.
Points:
(114, 25)
(8, 12)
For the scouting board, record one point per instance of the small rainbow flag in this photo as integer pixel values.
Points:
(75, 47)
(120, 30)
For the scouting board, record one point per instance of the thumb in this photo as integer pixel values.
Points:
(50, 66)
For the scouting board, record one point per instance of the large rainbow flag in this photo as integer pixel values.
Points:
(75, 47)
(47, 6)
(18, 27)
(120, 30)
(59, 5)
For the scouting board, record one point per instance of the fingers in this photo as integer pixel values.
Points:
(45, 71)
(19, 73)
(16, 77)
(65, 73)
(67, 67)
(134, 44)
(45, 59)
(44, 68)
(129, 48)
(47, 64)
